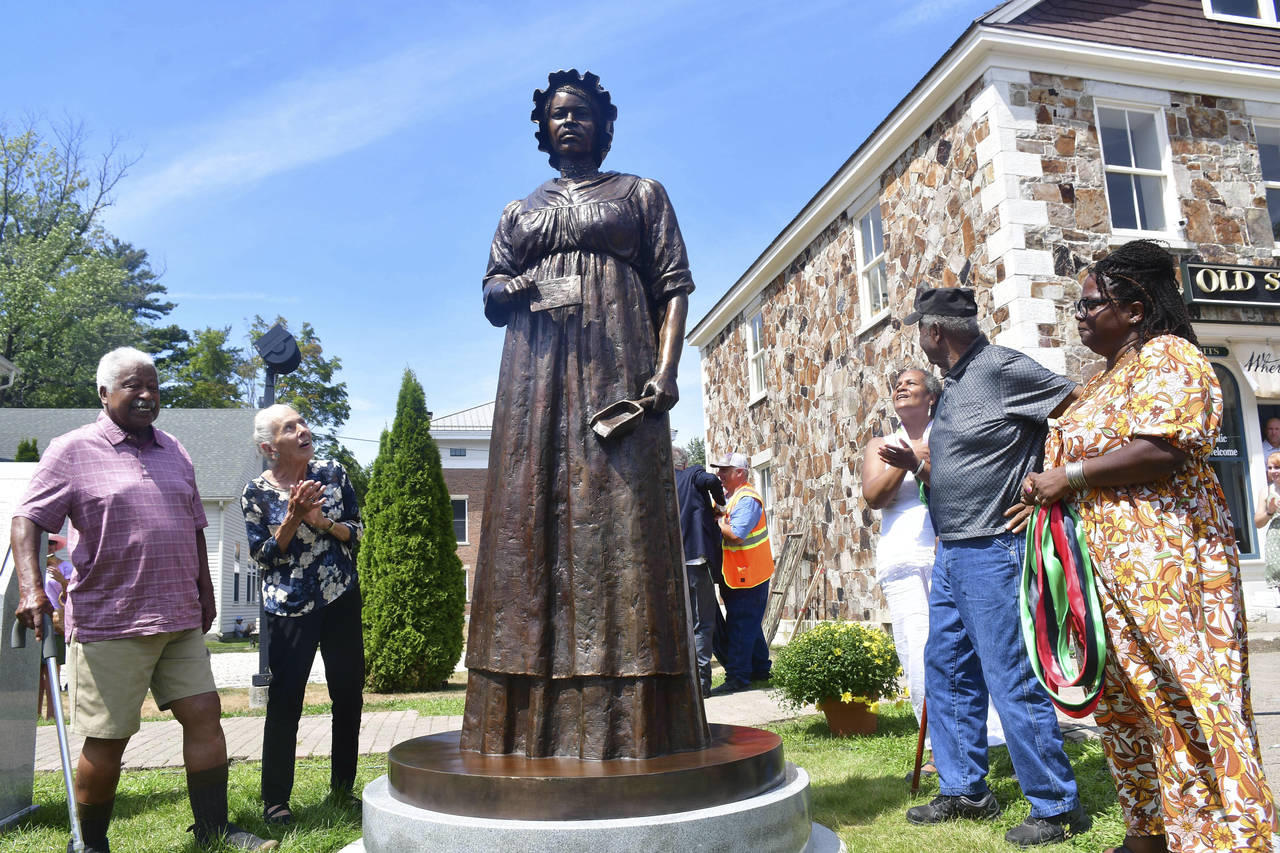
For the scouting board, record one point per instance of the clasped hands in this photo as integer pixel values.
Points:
(902, 455)
(306, 502)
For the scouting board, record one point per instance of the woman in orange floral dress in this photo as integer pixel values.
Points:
(1132, 454)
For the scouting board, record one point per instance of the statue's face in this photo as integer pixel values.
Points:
(571, 125)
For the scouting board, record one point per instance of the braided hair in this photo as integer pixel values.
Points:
(1144, 271)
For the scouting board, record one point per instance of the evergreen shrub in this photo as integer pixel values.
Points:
(412, 580)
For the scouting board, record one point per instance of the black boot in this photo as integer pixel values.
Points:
(94, 820)
(207, 790)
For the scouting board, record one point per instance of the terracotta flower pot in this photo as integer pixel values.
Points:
(849, 718)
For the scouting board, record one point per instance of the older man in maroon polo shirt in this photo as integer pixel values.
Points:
(139, 600)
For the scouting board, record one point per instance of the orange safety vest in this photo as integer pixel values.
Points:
(751, 563)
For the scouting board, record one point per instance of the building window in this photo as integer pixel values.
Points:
(1133, 152)
(764, 479)
(1258, 12)
(460, 520)
(755, 354)
(457, 451)
(873, 284)
(1269, 154)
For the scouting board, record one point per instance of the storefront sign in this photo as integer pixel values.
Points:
(1260, 365)
(1225, 284)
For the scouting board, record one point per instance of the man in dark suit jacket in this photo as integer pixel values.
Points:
(697, 491)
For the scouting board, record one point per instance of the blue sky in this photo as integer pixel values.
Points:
(345, 164)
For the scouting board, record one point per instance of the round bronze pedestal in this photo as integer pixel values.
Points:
(433, 773)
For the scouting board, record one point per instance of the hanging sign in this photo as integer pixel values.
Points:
(1228, 284)
(1260, 364)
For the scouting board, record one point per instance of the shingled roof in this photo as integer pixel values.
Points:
(219, 441)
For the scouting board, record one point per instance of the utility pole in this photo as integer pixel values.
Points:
(281, 355)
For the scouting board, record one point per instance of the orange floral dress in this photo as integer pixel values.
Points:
(1176, 717)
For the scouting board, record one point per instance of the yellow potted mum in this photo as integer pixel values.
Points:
(842, 667)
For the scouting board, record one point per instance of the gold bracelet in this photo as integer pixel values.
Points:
(329, 529)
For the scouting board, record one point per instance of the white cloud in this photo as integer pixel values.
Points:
(923, 12)
(327, 113)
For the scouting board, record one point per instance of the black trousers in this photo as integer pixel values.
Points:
(334, 629)
(704, 613)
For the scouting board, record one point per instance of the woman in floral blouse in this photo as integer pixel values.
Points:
(1133, 456)
(302, 519)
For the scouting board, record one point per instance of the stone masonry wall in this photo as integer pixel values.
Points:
(1004, 193)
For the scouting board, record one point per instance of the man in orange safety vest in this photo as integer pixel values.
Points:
(748, 566)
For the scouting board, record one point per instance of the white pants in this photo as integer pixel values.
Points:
(907, 590)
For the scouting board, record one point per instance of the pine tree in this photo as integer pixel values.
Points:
(410, 575)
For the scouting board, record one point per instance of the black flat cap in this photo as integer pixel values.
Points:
(943, 302)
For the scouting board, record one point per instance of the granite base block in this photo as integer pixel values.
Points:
(776, 821)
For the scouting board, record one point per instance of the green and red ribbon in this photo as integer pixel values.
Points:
(1062, 623)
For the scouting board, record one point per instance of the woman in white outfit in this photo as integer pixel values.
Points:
(891, 472)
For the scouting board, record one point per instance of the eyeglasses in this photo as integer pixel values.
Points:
(1085, 307)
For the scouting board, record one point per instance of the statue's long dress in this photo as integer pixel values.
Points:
(580, 643)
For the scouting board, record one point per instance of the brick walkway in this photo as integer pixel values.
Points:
(160, 744)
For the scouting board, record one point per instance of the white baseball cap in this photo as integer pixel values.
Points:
(732, 460)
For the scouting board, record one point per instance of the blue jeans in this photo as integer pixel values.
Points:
(975, 642)
(743, 651)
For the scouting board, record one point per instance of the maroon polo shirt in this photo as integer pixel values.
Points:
(137, 511)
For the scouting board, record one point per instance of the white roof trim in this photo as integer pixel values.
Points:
(978, 51)
(1009, 11)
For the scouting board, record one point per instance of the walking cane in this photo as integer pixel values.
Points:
(924, 727)
(49, 652)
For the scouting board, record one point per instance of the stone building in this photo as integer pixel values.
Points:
(1049, 133)
(463, 440)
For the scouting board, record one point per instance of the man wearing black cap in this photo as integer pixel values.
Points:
(988, 434)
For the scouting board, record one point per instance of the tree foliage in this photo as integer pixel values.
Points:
(410, 575)
(27, 451)
(68, 291)
(310, 390)
(203, 372)
(697, 450)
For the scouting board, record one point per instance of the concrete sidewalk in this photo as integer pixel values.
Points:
(160, 744)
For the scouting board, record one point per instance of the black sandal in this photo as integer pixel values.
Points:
(277, 815)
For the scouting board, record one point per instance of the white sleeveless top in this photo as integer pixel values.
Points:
(906, 533)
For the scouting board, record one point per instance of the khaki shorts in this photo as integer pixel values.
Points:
(109, 679)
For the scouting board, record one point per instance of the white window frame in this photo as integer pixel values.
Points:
(466, 516)
(457, 452)
(756, 365)
(762, 474)
(1169, 197)
(871, 315)
(1267, 183)
(1266, 15)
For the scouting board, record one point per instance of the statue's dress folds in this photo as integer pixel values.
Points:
(579, 642)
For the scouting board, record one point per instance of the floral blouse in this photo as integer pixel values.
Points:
(316, 568)
(1178, 527)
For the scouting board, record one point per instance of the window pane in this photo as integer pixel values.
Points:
(877, 232)
(866, 245)
(457, 451)
(1151, 201)
(1115, 137)
(460, 520)
(1146, 142)
(877, 288)
(1269, 150)
(1273, 206)
(1243, 8)
(757, 373)
(757, 333)
(1120, 197)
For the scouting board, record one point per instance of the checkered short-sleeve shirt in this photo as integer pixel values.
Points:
(988, 433)
(137, 511)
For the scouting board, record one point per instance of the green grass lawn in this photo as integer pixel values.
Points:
(858, 789)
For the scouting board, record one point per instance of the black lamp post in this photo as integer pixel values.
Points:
(281, 354)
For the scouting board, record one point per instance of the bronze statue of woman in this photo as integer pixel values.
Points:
(580, 642)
